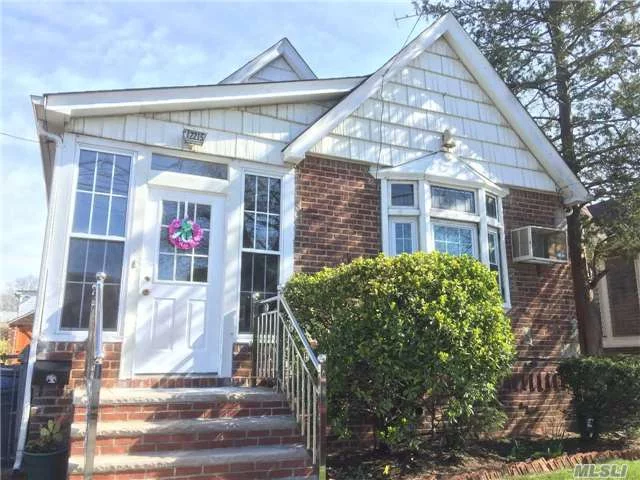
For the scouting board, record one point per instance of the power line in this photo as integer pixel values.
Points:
(382, 100)
(19, 138)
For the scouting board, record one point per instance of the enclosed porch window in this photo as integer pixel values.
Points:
(97, 237)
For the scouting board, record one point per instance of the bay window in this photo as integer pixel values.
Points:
(453, 219)
(97, 237)
(260, 262)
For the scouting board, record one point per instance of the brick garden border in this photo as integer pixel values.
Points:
(544, 465)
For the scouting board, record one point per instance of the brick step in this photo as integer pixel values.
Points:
(192, 434)
(152, 404)
(247, 463)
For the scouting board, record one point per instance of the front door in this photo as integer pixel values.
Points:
(179, 310)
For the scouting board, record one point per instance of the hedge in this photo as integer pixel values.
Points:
(606, 393)
(408, 337)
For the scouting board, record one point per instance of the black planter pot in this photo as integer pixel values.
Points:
(46, 466)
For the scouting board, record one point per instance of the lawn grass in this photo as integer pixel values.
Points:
(632, 474)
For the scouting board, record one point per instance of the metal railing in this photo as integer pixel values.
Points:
(283, 355)
(93, 372)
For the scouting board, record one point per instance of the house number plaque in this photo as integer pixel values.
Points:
(193, 137)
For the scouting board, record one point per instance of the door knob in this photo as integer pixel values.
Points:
(146, 291)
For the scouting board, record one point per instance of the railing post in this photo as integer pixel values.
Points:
(255, 310)
(322, 418)
(93, 373)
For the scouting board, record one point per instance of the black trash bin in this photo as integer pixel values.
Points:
(9, 387)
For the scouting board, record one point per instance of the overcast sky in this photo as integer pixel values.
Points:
(54, 46)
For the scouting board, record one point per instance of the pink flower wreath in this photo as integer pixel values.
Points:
(184, 234)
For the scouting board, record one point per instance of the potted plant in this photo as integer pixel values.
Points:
(46, 457)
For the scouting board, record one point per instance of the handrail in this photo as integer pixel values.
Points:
(279, 358)
(94, 356)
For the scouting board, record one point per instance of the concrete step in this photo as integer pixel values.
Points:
(133, 396)
(137, 436)
(291, 461)
(153, 404)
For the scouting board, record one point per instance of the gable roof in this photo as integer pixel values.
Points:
(473, 59)
(281, 50)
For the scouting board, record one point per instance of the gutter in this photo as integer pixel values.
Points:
(37, 319)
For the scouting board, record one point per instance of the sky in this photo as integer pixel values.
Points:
(58, 46)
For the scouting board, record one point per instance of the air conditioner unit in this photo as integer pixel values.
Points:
(540, 245)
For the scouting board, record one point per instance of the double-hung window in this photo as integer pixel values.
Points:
(403, 225)
(260, 263)
(97, 237)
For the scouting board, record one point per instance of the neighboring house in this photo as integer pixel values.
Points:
(618, 296)
(22, 324)
(286, 172)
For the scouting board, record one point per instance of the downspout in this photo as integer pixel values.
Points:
(37, 320)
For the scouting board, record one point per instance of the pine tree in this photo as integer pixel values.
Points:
(574, 65)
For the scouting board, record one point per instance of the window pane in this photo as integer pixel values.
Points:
(169, 211)
(259, 271)
(71, 306)
(95, 260)
(402, 195)
(248, 230)
(77, 258)
(100, 214)
(404, 238)
(117, 220)
(165, 267)
(263, 194)
(183, 268)
(110, 313)
(166, 163)
(203, 248)
(261, 231)
(82, 213)
(272, 275)
(250, 192)
(121, 175)
(87, 166)
(113, 261)
(200, 269)
(453, 239)
(274, 195)
(492, 206)
(453, 199)
(274, 232)
(104, 172)
(165, 246)
(203, 215)
(246, 274)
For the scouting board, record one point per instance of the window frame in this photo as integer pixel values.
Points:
(472, 227)
(403, 182)
(81, 334)
(248, 336)
(413, 221)
(426, 216)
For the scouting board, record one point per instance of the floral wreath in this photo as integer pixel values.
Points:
(184, 234)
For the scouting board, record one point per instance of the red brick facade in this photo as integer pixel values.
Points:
(338, 219)
(337, 213)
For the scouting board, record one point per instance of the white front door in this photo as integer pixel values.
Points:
(179, 309)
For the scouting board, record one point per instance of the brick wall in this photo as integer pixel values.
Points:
(338, 213)
(338, 219)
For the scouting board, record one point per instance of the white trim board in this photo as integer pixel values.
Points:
(508, 105)
(166, 99)
(282, 48)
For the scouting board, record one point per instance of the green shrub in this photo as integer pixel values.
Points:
(606, 393)
(407, 337)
